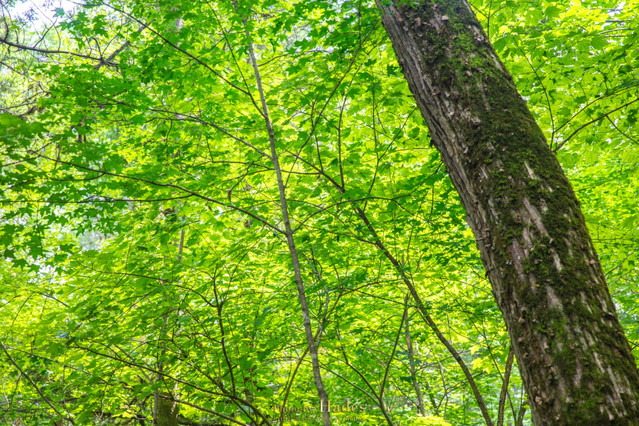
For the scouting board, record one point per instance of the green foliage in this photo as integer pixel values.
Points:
(429, 421)
(141, 227)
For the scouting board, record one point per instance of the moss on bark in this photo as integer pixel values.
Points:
(575, 361)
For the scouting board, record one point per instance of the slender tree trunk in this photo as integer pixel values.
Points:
(411, 361)
(574, 359)
(288, 231)
(519, 421)
(503, 395)
(165, 410)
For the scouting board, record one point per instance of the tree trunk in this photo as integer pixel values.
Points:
(288, 231)
(411, 361)
(575, 361)
(165, 410)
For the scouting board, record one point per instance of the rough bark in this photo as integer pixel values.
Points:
(574, 359)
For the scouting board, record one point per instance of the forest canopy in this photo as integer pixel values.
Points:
(220, 212)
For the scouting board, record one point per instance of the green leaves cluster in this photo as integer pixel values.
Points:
(140, 222)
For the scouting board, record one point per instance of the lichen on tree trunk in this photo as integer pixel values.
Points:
(575, 361)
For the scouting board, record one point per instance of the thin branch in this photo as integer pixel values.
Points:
(91, 201)
(47, 400)
(5, 41)
(583, 126)
(170, 185)
(179, 49)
